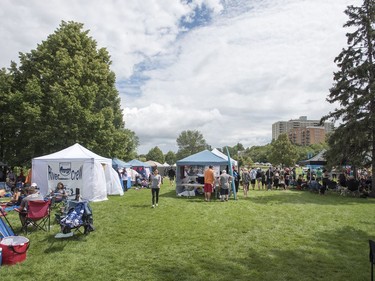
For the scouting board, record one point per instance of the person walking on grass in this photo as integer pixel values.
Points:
(155, 188)
(209, 180)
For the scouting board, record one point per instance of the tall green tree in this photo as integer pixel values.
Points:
(155, 154)
(7, 104)
(66, 94)
(190, 142)
(354, 90)
(259, 153)
(282, 151)
(170, 157)
(234, 151)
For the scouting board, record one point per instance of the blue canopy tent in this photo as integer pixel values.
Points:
(118, 164)
(142, 168)
(193, 167)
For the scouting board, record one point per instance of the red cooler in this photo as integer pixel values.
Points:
(14, 249)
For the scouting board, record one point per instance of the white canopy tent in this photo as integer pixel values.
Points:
(222, 155)
(77, 167)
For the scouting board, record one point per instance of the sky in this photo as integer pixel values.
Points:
(227, 68)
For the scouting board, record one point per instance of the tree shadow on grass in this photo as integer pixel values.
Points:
(300, 197)
(281, 197)
(330, 256)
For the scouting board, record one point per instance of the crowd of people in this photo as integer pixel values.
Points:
(317, 180)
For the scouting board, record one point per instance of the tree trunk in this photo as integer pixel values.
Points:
(371, 76)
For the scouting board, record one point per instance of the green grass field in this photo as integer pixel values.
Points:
(274, 235)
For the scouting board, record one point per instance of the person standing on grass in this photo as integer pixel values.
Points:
(253, 177)
(269, 178)
(245, 181)
(224, 181)
(237, 178)
(259, 178)
(171, 175)
(209, 180)
(155, 188)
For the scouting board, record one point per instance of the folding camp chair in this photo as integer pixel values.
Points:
(79, 215)
(5, 227)
(37, 215)
(372, 257)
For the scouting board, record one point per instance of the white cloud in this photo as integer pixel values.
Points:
(231, 75)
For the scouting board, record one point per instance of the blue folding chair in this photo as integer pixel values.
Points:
(5, 227)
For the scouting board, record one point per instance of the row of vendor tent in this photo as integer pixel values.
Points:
(144, 168)
(133, 168)
(77, 168)
(117, 163)
(162, 168)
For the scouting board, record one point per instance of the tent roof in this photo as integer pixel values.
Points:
(318, 159)
(204, 157)
(76, 151)
(154, 163)
(222, 155)
(137, 163)
(117, 163)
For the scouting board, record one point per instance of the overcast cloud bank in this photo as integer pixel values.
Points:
(226, 68)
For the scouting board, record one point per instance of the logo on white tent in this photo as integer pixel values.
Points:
(65, 168)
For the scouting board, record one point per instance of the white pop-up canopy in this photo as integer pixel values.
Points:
(77, 167)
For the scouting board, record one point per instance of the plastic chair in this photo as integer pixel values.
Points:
(38, 215)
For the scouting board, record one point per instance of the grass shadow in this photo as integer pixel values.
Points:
(298, 197)
(317, 260)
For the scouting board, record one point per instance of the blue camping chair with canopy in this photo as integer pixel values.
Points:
(5, 227)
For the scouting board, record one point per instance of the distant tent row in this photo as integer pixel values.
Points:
(119, 164)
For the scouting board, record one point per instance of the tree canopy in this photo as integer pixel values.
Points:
(170, 157)
(63, 92)
(155, 154)
(282, 151)
(354, 91)
(190, 142)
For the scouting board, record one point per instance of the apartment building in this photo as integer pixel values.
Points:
(307, 135)
(294, 126)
